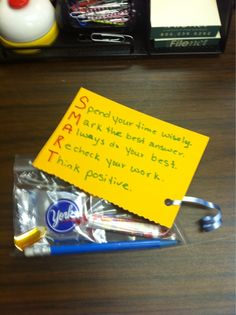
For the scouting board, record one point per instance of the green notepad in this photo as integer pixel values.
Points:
(184, 18)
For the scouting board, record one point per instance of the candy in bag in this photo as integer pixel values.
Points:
(49, 210)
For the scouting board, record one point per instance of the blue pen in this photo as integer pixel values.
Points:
(51, 250)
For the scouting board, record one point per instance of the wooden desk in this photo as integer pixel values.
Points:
(196, 92)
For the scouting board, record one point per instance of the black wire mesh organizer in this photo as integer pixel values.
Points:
(131, 42)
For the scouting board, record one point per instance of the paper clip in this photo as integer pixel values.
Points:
(111, 38)
(208, 223)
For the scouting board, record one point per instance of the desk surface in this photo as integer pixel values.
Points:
(196, 92)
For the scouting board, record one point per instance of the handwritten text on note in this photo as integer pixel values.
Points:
(126, 157)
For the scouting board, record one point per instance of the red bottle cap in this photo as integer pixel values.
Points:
(17, 4)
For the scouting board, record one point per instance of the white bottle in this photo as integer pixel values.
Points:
(27, 23)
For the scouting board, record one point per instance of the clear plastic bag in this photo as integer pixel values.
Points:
(50, 211)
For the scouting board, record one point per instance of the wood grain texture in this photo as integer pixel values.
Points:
(196, 92)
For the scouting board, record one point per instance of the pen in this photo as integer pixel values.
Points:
(52, 250)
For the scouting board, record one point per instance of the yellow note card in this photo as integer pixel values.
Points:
(124, 156)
